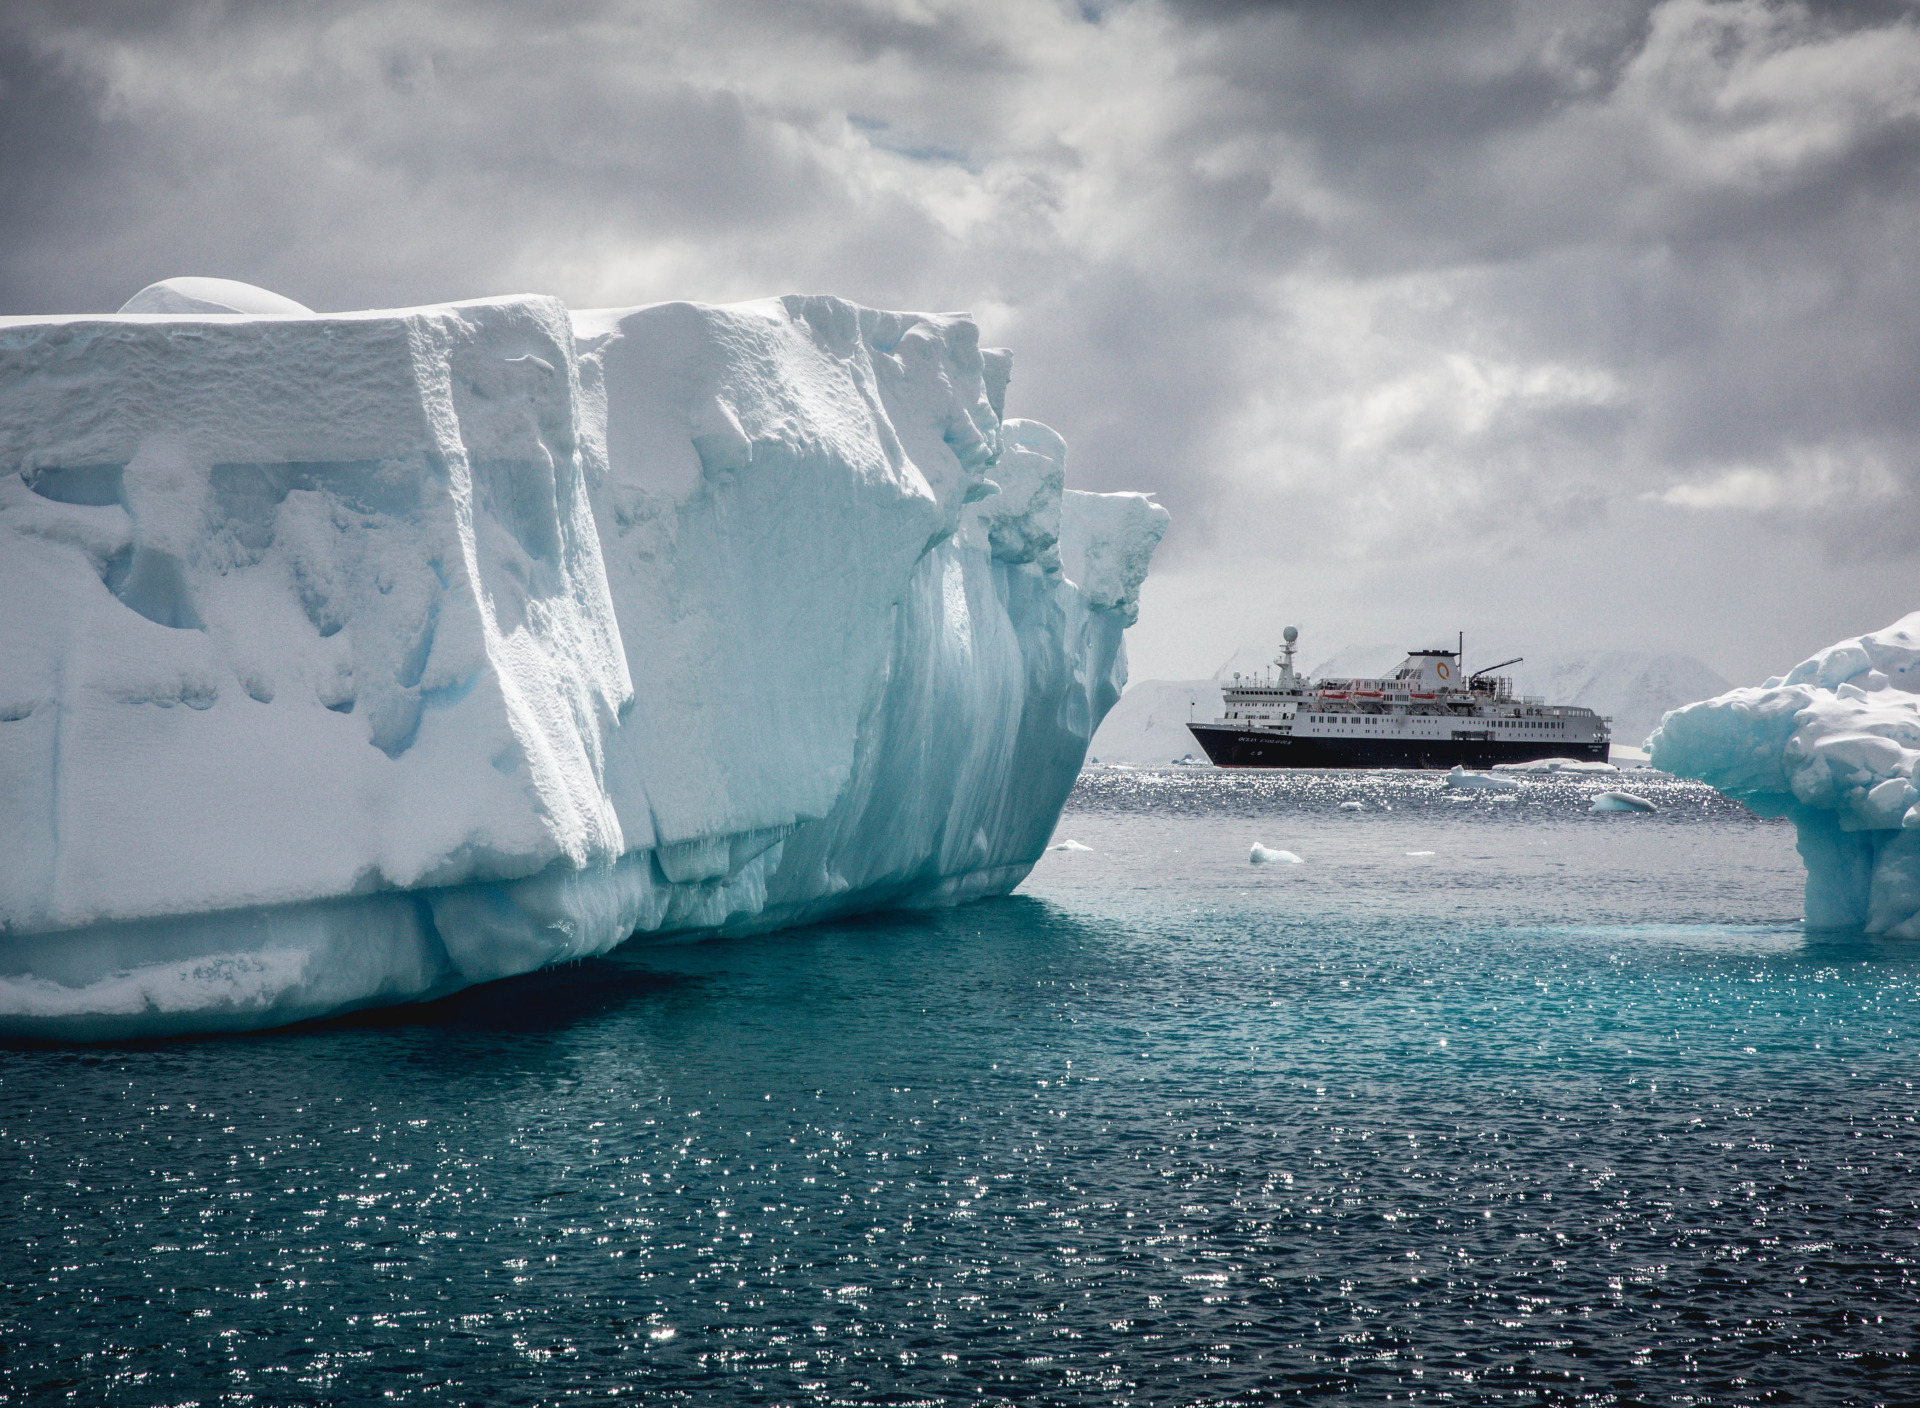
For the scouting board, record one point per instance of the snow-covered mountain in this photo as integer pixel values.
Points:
(1364, 662)
(1148, 727)
(1634, 688)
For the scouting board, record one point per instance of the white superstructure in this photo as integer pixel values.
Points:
(1424, 714)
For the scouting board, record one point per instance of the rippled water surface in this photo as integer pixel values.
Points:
(1489, 1099)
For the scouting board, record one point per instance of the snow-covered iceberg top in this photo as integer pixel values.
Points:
(1833, 744)
(352, 658)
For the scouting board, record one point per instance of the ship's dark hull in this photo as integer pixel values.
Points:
(1258, 748)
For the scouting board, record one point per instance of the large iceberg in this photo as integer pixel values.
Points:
(1832, 744)
(354, 658)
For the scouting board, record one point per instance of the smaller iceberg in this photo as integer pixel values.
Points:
(1479, 781)
(1266, 855)
(1621, 802)
(1555, 765)
(1070, 845)
(1352, 807)
(1832, 745)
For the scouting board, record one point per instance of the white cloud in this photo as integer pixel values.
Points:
(1747, 93)
(1807, 482)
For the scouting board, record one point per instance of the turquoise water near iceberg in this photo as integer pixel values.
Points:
(1489, 1100)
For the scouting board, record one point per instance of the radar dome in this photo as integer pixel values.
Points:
(1290, 634)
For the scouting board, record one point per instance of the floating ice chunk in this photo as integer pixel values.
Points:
(195, 295)
(1419, 853)
(1459, 777)
(1556, 765)
(1069, 845)
(1621, 802)
(1264, 855)
(1352, 807)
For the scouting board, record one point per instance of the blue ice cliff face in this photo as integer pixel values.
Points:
(1832, 744)
(352, 659)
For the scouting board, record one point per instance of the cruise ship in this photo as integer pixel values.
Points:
(1423, 715)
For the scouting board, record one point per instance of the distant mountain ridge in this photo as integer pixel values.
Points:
(1633, 687)
(1148, 727)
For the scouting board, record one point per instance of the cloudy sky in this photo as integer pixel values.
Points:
(1573, 325)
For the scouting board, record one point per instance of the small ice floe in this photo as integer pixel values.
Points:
(1621, 802)
(1419, 853)
(1480, 781)
(1352, 807)
(1266, 855)
(1069, 845)
(1555, 765)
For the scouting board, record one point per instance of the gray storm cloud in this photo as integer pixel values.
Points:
(1553, 317)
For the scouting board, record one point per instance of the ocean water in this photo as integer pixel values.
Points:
(1488, 1100)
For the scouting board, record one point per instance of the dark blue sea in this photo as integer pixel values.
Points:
(1489, 1099)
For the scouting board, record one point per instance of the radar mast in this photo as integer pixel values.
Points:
(1285, 662)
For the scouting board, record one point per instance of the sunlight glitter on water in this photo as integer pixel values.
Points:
(1571, 1110)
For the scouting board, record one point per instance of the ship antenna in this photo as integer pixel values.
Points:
(1460, 655)
(1287, 638)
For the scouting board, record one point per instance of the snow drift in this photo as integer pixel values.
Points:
(1833, 744)
(354, 658)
